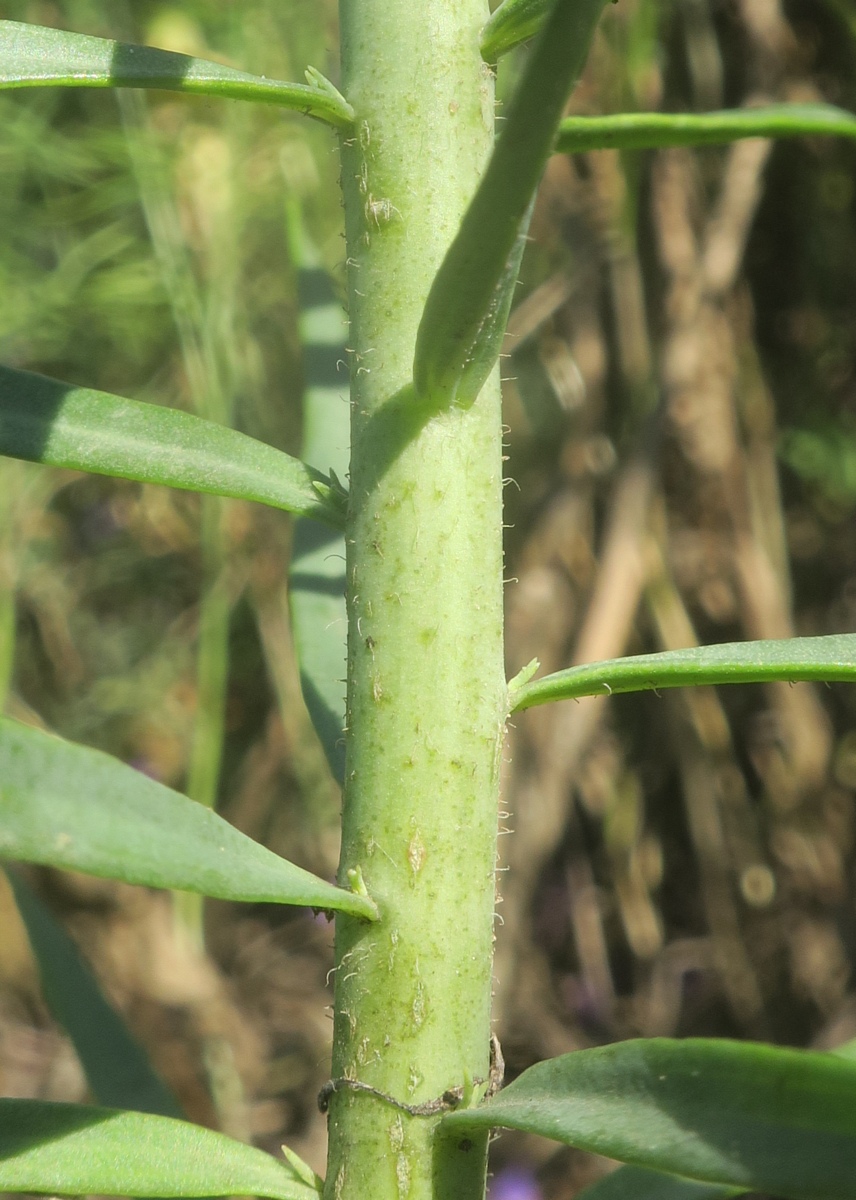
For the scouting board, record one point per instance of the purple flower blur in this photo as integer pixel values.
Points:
(514, 1183)
(146, 767)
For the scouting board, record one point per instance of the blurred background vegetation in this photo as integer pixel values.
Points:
(681, 416)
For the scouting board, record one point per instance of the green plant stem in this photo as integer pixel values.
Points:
(7, 642)
(654, 130)
(425, 695)
(206, 750)
(12, 484)
(212, 674)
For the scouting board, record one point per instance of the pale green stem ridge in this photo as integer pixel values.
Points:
(461, 328)
(654, 130)
(59, 425)
(34, 56)
(823, 659)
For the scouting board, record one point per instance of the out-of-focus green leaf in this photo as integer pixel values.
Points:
(847, 1050)
(66, 1149)
(460, 333)
(319, 621)
(824, 457)
(35, 56)
(738, 1114)
(45, 421)
(825, 659)
(648, 131)
(117, 1068)
(513, 22)
(317, 581)
(64, 805)
(635, 1183)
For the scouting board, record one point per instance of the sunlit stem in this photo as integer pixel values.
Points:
(426, 695)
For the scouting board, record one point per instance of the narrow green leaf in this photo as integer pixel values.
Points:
(45, 421)
(461, 329)
(319, 622)
(116, 1066)
(635, 1183)
(317, 580)
(67, 1149)
(648, 131)
(513, 22)
(303, 1171)
(738, 1114)
(64, 805)
(34, 56)
(824, 659)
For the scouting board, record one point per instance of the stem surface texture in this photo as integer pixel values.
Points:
(426, 693)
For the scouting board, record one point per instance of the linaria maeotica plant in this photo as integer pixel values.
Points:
(436, 214)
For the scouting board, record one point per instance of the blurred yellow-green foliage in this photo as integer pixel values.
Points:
(145, 254)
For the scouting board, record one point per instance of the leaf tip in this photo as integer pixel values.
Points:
(358, 888)
(321, 83)
(333, 494)
(523, 676)
(302, 1170)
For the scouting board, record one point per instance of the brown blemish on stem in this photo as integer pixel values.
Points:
(416, 853)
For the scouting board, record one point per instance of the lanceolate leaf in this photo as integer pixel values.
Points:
(646, 131)
(317, 582)
(33, 56)
(825, 659)
(510, 24)
(64, 805)
(738, 1114)
(117, 1068)
(461, 328)
(635, 1183)
(49, 422)
(66, 1149)
(319, 621)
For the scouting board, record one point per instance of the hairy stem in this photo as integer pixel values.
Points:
(426, 695)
